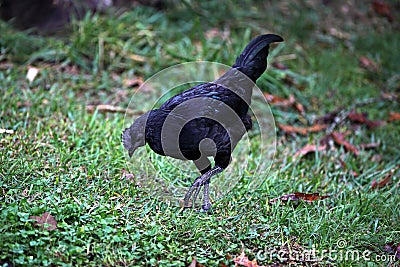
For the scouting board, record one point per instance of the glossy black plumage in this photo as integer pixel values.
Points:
(206, 120)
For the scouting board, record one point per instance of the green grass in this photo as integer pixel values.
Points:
(67, 161)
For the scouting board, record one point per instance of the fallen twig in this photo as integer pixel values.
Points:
(110, 109)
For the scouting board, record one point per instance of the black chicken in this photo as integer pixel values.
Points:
(206, 120)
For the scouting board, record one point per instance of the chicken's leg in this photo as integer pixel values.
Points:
(203, 180)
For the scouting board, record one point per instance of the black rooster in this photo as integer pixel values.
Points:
(206, 120)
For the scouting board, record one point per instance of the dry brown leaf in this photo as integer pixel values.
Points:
(325, 140)
(126, 175)
(195, 263)
(273, 99)
(392, 248)
(382, 9)
(105, 108)
(357, 117)
(26, 104)
(242, 260)
(390, 96)
(382, 183)
(368, 64)
(279, 66)
(299, 107)
(308, 149)
(309, 197)
(298, 196)
(138, 58)
(135, 82)
(283, 102)
(374, 124)
(45, 219)
(394, 116)
(292, 129)
(369, 145)
(339, 139)
(339, 34)
(302, 130)
(316, 128)
(291, 99)
(363, 119)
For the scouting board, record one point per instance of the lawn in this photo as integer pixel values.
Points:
(61, 151)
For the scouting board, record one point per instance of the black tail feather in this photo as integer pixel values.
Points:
(253, 60)
(254, 47)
